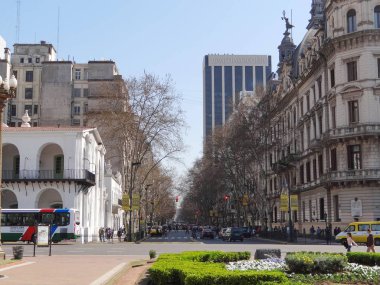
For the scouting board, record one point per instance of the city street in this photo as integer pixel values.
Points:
(174, 242)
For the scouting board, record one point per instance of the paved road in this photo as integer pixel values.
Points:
(174, 242)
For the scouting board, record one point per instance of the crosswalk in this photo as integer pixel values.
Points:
(169, 238)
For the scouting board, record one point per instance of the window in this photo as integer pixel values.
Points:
(363, 228)
(310, 211)
(76, 110)
(319, 84)
(76, 92)
(28, 93)
(353, 112)
(35, 124)
(21, 60)
(314, 169)
(354, 156)
(332, 77)
(77, 74)
(13, 110)
(320, 122)
(85, 109)
(308, 172)
(302, 178)
(315, 128)
(85, 92)
(302, 141)
(58, 166)
(352, 71)
(333, 117)
(377, 17)
(336, 208)
(35, 110)
(303, 211)
(308, 135)
(29, 109)
(301, 107)
(15, 73)
(37, 60)
(29, 76)
(320, 164)
(375, 227)
(321, 208)
(351, 21)
(333, 159)
(308, 102)
(378, 68)
(30, 60)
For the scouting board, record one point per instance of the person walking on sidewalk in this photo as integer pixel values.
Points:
(350, 242)
(370, 242)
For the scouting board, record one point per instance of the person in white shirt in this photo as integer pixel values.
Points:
(350, 242)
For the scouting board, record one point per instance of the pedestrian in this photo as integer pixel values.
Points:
(349, 242)
(312, 232)
(370, 242)
(319, 231)
(119, 234)
(328, 234)
(101, 234)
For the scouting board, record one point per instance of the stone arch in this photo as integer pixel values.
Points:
(51, 160)
(8, 199)
(49, 198)
(11, 161)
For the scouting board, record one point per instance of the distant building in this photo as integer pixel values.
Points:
(224, 78)
(56, 91)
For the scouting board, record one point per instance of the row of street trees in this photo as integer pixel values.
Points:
(228, 185)
(140, 121)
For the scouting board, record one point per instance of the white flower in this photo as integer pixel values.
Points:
(259, 265)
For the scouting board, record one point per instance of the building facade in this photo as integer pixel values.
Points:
(326, 121)
(51, 167)
(45, 83)
(225, 78)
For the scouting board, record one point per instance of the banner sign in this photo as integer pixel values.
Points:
(245, 200)
(135, 201)
(284, 203)
(125, 202)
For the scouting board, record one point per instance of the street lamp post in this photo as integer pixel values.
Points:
(7, 91)
(133, 164)
(146, 205)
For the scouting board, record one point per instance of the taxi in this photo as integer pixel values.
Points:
(359, 232)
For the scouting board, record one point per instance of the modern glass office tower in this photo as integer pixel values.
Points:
(225, 77)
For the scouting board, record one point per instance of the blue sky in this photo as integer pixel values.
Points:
(158, 36)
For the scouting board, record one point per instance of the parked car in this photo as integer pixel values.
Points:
(246, 232)
(156, 231)
(233, 234)
(222, 233)
(207, 233)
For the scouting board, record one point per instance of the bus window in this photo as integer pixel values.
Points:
(62, 219)
(47, 218)
(29, 219)
(350, 229)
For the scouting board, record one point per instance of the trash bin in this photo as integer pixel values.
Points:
(18, 252)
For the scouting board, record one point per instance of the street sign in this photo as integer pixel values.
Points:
(135, 201)
(43, 235)
(284, 202)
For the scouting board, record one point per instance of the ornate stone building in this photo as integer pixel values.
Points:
(326, 121)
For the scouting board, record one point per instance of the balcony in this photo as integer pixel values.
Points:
(352, 175)
(315, 144)
(353, 131)
(81, 176)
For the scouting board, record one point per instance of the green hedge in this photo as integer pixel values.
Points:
(314, 262)
(187, 269)
(364, 258)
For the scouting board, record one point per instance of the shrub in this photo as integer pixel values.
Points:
(186, 269)
(364, 258)
(303, 262)
(152, 253)
(225, 257)
(267, 253)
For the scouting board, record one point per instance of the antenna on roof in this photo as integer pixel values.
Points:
(18, 22)
(59, 12)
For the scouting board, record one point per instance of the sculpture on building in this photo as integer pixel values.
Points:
(287, 24)
(356, 208)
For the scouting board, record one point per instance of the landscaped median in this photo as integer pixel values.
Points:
(235, 268)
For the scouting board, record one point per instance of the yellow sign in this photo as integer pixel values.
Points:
(245, 200)
(135, 201)
(125, 202)
(284, 203)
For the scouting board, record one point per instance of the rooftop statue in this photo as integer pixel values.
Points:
(287, 24)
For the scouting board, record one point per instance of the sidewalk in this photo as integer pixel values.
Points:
(67, 269)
